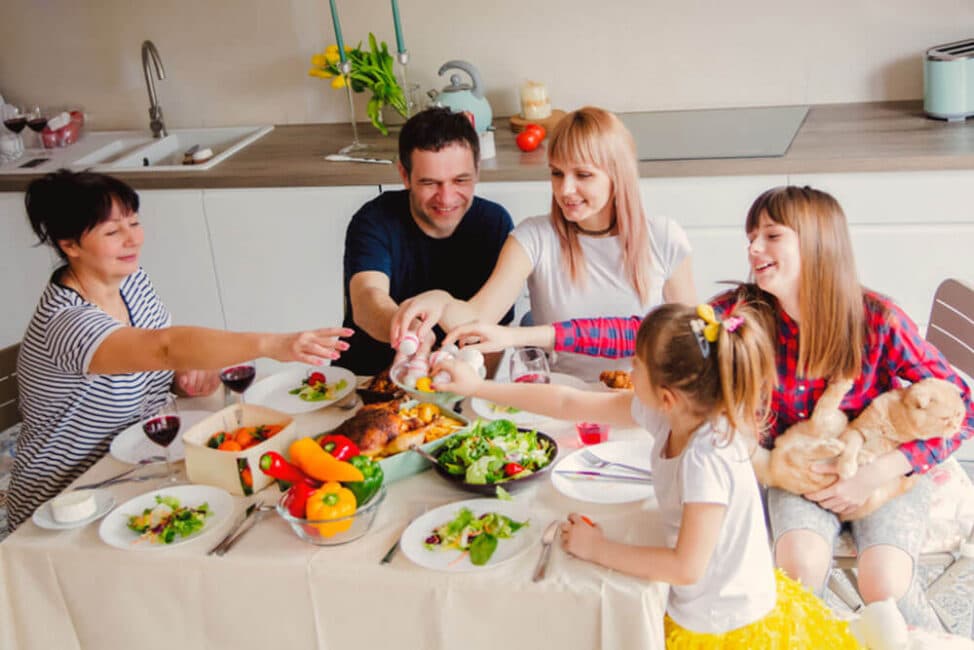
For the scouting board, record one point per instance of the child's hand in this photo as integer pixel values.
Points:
(464, 380)
(580, 536)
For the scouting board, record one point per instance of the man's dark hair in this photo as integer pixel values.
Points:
(66, 204)
(434, 129)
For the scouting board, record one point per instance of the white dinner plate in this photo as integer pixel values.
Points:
(132, 445)
(273, 392)
(490, 411)
(455, 561)
(631, 452)
(43, 517)
(114, 529)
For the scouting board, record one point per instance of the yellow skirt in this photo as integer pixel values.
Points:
(798, 620)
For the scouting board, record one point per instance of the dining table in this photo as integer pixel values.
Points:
(69, 589)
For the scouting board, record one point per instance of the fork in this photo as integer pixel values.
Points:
(594, 461)
(151, 460)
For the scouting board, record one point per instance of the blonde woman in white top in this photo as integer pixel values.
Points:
(595, 254)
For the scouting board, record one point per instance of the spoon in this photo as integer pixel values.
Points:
(547, 538)
(425, 454)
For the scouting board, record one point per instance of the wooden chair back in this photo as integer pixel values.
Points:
(9, 415)
(951, 326)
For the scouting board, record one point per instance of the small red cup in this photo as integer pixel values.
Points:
(592, 433)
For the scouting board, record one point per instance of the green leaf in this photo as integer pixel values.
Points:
(503, 494)
(481, 548)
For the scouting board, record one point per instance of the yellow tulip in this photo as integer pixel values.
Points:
(319, 60)
(332, 56)
(338, 82)
(321, 74)
(331, 49)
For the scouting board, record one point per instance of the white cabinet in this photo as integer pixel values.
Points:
(177, 256)
(24, 269)
(712, 211)
(910, 230)
(278, 254)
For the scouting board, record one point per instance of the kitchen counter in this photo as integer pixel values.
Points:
(835, 138)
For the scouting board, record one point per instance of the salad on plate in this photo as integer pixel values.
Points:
(494, 452)
(169, 518)
(315, 388)
(477, 536)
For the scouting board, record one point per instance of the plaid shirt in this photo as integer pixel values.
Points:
(894, 351)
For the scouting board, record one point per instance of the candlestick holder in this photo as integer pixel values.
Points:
(357, 145)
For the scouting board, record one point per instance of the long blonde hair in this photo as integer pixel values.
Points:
(733, 376)
(594, 136)
(830, 298)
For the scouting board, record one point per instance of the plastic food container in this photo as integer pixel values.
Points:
(311, 530)
(63, 129)
(229, 470)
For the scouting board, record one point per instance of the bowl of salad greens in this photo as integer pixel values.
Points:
(491, 458)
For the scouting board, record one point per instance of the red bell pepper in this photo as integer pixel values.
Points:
(297, 499)
(339, 446)
(275, 466)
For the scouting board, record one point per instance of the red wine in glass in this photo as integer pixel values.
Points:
(37, 124)
(238, 378)
(16, 124)
(533, 378)
(162, 430)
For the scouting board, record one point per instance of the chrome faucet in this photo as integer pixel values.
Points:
(149, 51)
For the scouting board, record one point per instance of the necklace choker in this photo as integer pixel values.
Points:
(604, 231)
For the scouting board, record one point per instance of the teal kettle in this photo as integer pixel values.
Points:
(460, 97)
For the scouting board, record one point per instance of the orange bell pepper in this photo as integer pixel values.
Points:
(331, 501)
(318, 463)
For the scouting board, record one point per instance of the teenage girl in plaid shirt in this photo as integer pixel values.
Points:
(826, 325)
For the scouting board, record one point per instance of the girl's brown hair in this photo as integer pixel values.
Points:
(733, 376)
(830, 298)
(594, 136)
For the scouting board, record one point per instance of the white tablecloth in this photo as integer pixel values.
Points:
(68, 589)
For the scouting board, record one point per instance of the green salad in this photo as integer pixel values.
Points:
(494, 452)
(476, 535)
(168, 518)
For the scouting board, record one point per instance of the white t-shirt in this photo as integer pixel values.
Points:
(606, 290)
(738, 586)
(71, 416)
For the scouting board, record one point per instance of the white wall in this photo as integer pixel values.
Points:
(245, 61)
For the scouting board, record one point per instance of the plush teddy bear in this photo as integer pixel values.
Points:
(929, 408)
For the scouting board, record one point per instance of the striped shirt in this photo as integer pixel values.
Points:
(70, 416)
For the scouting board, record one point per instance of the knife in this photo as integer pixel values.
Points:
(251, 509)
(547, 538)
(251, 520)
(599, 476)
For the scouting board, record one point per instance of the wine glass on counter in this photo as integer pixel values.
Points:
(530, 366)
(238, 378)
(160, 422)
(37, 118)
(12, 143)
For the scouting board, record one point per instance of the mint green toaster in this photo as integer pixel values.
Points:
(948, 81)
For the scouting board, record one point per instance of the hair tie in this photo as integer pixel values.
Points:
(697, 326)
(712, 328)
(731, 324)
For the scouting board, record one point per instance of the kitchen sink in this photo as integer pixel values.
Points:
(166, 154)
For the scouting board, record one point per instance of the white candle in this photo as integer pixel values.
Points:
(535, 104)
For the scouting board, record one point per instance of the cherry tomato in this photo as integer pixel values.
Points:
(513, 468)
(316, 378)
(528, 140)
(538, 129)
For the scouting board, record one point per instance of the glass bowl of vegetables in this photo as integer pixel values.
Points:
(492, 455)
(334, 520)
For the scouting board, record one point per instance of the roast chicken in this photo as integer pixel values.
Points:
(375, 426)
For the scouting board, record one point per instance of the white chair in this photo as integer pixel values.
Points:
(951, 330)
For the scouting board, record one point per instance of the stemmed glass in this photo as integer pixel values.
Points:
(530, 366)
(36, 120)
(160, 422)
(14, 120)
(237, 378)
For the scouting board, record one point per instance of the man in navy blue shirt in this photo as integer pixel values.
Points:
(435, 234)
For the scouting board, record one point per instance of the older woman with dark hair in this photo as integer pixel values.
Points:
(101, 342)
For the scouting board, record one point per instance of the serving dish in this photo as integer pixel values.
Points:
(329, 532)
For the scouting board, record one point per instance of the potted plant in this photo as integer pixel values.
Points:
(372, 69)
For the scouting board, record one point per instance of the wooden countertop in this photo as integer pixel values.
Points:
(838, 138)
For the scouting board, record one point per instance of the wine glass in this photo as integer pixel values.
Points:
(12, 143)
(160, 422)
(530, 366)
(36, 121)
(237, 378)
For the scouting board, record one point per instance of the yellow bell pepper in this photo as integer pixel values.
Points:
(331, 501)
